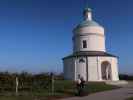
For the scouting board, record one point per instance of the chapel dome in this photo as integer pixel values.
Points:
(88, 25)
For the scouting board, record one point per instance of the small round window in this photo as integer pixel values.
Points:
(81, 60)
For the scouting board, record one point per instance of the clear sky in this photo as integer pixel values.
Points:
(36, 34)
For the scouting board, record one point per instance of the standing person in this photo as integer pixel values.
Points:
(78, 86)
(82, 82)
(82, 85)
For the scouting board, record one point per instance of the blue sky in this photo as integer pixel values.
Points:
(36, 34)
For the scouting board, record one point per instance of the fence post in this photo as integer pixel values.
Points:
(17, 83)
(52, 83)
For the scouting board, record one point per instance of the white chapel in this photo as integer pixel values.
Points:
(89, 59)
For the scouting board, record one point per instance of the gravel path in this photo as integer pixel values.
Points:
(118, 94)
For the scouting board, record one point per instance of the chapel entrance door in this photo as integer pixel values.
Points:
(106, 70)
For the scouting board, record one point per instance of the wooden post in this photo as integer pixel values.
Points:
(17, 83)
(52, 83)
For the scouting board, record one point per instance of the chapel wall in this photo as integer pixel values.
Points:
(81, 67)
(94, 43)
(69, 70)
(92, 69)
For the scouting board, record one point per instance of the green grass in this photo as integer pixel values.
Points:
(131, 98)
(97, 87)
(16, 98)
(62, 88)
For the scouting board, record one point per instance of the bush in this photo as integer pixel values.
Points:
(126, 77)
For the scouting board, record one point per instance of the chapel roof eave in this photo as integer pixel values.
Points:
(90, 54)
